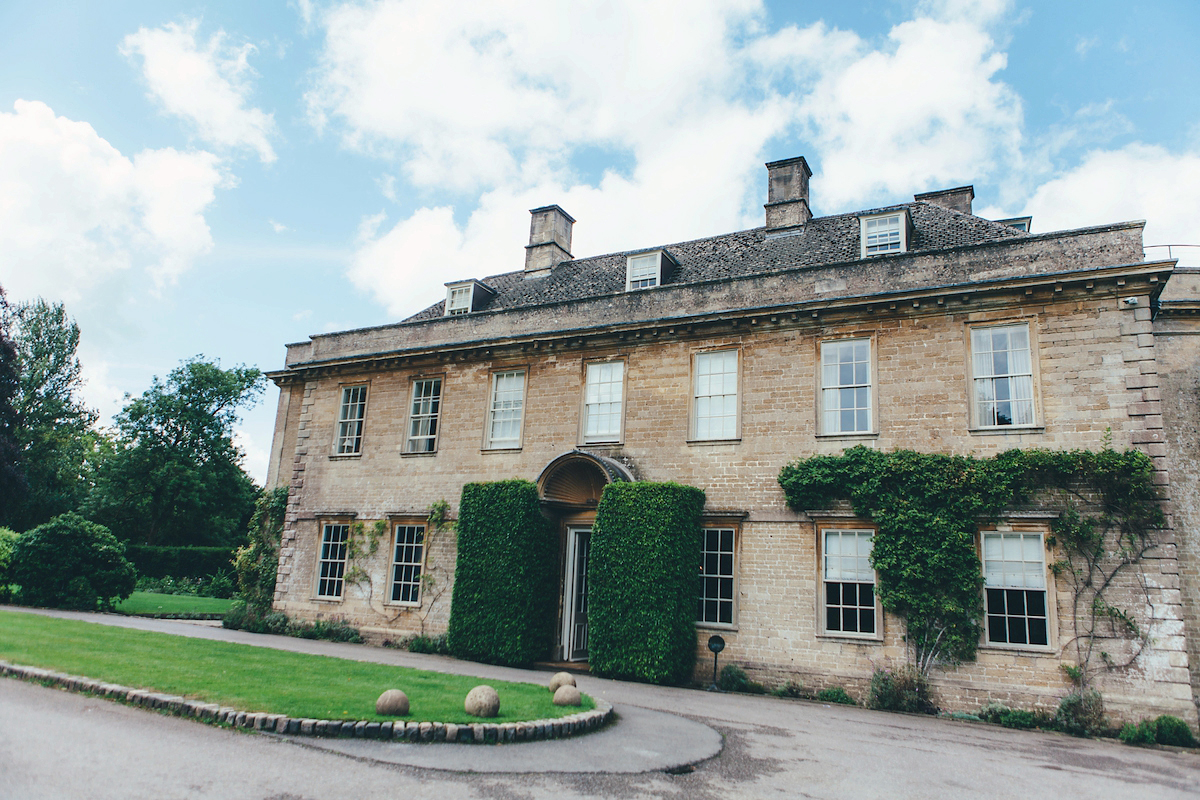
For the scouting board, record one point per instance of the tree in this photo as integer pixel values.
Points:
(175, 477)
(12, 479)
(54, 431)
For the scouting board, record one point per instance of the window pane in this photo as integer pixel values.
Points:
(508, 400)
(1003, 375)
(715, 399)
(717, 576)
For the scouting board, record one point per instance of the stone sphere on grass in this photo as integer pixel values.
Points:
(561, 679)
(482, 701)
(392, 703)
(567, 695)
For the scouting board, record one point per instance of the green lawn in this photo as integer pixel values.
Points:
(255, 678)
(148, 603)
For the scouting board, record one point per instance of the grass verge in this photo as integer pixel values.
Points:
(155, 604)
(256, 678)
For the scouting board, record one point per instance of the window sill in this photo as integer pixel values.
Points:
(1019, 649)
(604, 443)
(500, 450)
(419, 455)
(1007, 429)
(717, 626)
(344, 456)
(714, 441)
(850, 638)
(874, 435)
(402, 605)
(319, 599)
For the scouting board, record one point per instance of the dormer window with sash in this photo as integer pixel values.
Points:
(884, 234)
(645, 270)
(463, 297)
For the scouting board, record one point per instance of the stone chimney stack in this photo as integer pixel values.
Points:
(787, 193)
(549, 240)
(958, 199)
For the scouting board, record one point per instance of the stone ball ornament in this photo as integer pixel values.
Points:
(567, 695)
(561, 679)
(392, 703)
(482, 701)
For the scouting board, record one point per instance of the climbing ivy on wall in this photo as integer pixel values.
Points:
(928, 509)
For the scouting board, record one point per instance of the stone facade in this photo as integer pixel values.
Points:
(1104, 368)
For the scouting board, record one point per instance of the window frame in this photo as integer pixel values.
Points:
(975, 423)
(396, 524)
(664, 264)
(905, 233)
(1048, 588)
(323, 526)
(694, 397)
(872, 386)
(338, 438)
(584, 439)
(490, 444)
(841, 526)
(406, 448)
(719, 524)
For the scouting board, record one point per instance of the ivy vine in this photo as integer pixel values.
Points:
(928, 509)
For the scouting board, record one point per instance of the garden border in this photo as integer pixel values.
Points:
(459, 733)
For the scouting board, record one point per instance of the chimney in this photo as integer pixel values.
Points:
(549, 240)
(787, 193)
(954, 199)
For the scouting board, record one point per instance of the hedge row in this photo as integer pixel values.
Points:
(505, 583)
(642, 582)
(179, 562)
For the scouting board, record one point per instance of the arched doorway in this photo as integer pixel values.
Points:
(570, 488)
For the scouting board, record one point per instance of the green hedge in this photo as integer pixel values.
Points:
(505, 583)
(179, 562)
(642, 576)
(70, 562)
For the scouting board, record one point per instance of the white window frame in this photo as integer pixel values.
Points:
(601, 401)
(850, 568)
(884, 234)
(458, 300)
(1018, 378)
(704, 398)
(1017, 568)
(835, 384)
(718, 587)
(648, 269)
(331, 560)
(508, 409)
(407, 563)
(424, 412)
(351, 422)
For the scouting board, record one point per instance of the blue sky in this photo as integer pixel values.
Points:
(223, 178)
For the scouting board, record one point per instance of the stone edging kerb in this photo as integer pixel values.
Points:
(466, 733)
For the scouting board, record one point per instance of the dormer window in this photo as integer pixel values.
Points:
(463, 297)
(644, 270)
(883, 234)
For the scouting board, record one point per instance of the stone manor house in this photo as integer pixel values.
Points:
(715, 362)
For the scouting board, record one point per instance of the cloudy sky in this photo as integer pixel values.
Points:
(222, 178)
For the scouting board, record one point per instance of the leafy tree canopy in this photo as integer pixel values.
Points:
(12, 479)
(175, 476)
(54, 433)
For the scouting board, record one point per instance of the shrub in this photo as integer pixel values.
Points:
(8, 540)
(256, 564)
(1142, 733)
(836, 694)
(218, 585)
(433, 645)
(1173, 731)
(904, 689)
(734, 679)
(70, 562)
(1019, 719)
(505, 603)
(993, 711)
(789, 689)
(644, 564)
(1081, 713)
(241, 616)
(179, 562)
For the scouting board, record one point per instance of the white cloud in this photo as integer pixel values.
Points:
(255, 455)
(1137, 181)
(503, 100)
(206, 84)
(278, 227)
(75, 213)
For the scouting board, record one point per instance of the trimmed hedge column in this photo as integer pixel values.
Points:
(642, 577)
(505, 582)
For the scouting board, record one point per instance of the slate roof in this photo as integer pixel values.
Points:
(821, 241)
